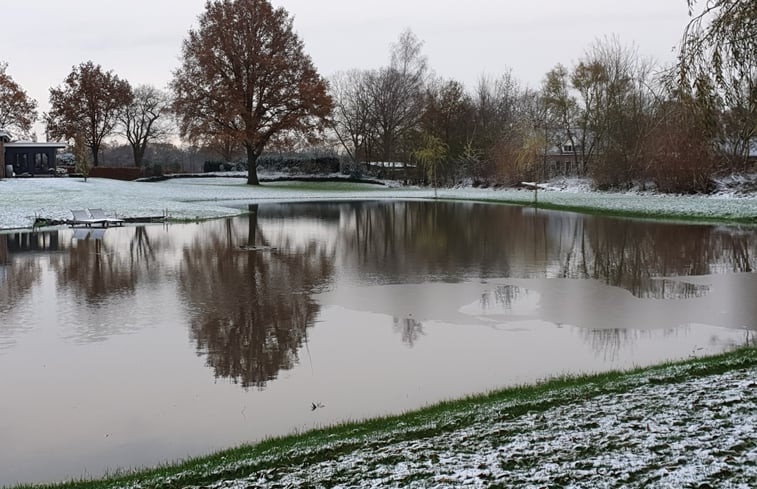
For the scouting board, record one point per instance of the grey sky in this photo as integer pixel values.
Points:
(140, 40)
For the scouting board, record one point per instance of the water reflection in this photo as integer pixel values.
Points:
(250, 302)
(409, 329)
(248, 282)
(407, 242)
(19, 271)
(608, 344)
(511, 300)
(94, 270)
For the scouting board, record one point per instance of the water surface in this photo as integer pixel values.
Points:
(146, 344)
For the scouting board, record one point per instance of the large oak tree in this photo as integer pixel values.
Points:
(245, 74)
(87, 105)
(17, 111)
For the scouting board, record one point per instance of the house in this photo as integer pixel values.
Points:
(564, 159)
(27, 158)
(396, 170)
(565, 155)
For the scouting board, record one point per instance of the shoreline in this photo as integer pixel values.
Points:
(561, 413)
(48, 201)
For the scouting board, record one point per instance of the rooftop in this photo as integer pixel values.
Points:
(33, 144)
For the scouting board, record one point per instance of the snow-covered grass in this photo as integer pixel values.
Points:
(23, 200)
(689, 424)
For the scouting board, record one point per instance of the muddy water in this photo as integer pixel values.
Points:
(147, 344)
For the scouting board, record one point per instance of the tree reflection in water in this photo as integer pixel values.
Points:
(95, 271)
(19, 272)
(406, 242)
(247, 282)
(250, 301)
(415, 242)
(609, 343)
(409, 329)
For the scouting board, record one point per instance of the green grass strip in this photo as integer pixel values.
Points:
(654, 214)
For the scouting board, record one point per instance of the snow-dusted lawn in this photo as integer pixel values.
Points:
(685, 425)
(21, 200)
(701, 431)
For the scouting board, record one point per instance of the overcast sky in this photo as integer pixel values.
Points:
(140, 40)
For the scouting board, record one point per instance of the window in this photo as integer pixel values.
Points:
(22, 165)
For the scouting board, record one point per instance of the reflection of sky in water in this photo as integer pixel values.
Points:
(176, 340)
(587, 304)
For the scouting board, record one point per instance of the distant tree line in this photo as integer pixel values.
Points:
(245, 86)
(618, 117)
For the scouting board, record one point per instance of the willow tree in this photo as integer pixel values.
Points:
(245, 75)
(431, 154)
(718, 60)
(722, 35)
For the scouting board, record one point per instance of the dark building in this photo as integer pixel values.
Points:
(27, 158)
(31, 158)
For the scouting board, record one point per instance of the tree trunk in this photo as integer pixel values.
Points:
(139, 154)
(95, 154)
(252, 224)
(252, 162)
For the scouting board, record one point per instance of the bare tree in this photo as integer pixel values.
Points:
(448, 114)
(495, 100)
(17, 110)
(562, 111)
(396, 94)
(601, 109)
(144, 119)
(496, 105)
(678, 155)
(616, 105)
(351, 120)
(245, 74)
(521, 154)
(87, 105)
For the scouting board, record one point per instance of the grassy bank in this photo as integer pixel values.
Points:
(25, 200)
(679, 424)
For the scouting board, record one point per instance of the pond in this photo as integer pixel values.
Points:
(139, 345)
